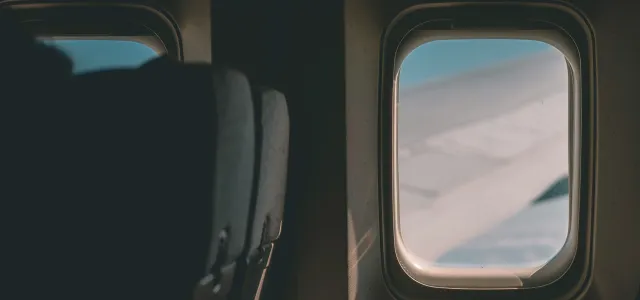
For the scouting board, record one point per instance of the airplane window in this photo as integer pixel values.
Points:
(91, 55)
(483, 154)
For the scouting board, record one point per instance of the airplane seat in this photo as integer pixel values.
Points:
(267, 205)
(272, 120)
(153, 165)
(232, 186)
(127, 183)
(271, 136)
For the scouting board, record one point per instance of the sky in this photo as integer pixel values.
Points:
(449, 57)
(91, 55)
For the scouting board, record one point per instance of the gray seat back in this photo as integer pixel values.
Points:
(272, 119)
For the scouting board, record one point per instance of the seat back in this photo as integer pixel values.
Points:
(272, 120)
(151, 137)
(184, 143)
(233, 181)
(240, 274)
(130, 176)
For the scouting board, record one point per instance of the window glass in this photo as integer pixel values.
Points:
(483, 153)
(92, 55)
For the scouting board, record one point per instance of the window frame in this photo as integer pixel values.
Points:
(558, 25)
(145, 24)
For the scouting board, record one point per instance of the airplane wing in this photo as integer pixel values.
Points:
(530, 238)
(475, 150)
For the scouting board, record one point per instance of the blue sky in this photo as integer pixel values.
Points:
(449, 57)
(89, 55)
